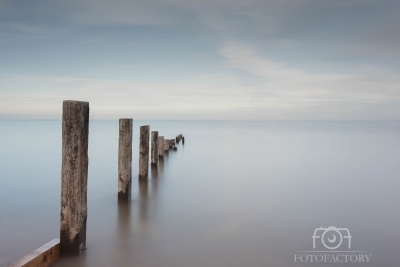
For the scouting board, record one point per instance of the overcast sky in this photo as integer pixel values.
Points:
(202, 59)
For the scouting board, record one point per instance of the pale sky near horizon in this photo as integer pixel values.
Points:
(209, 59)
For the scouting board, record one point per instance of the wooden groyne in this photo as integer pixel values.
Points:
(74, 178)
(41, 257)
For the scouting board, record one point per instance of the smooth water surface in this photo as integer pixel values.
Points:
(236, 194)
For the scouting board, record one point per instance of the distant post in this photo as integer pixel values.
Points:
(144, 152)
(166, 144)
(161, 146)
(154, 148)
(178, 138)
(125, 160)
(74, 175)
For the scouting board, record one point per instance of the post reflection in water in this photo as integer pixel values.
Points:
(143, 204)
(160, 169)
(124, 220)
(154, 171)
(125, 235)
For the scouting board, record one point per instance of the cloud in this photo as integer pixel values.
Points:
(305, 59)
(297, 90)
(281, 92)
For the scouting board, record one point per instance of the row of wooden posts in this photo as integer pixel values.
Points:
(74, 173)
(158, 147)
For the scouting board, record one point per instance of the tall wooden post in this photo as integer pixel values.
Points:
(161, 146)
(74, 175)
(144, 152)
(154, 148)
(125, 160)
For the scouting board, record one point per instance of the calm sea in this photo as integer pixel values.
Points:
(237, 193)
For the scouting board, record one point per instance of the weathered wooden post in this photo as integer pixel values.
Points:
(171, 143)
(74, 175)
(183, 140)
(166, 144)
(154, 148)
(144, 152)
(178, 138)
(125, 160)
(161, 146)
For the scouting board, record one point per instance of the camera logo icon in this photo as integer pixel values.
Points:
(331, 237)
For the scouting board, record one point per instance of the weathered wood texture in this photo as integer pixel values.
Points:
(166, 144)
(154, 148)
(171, 143)
(161, 146)
(178, 138)
(74, 174)
(144, 152)
(125, 159)
(41, 257)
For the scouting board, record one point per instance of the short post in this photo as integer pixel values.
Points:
(178, 138)
(74, 175)
(170, 143)
(183, 140)
(166, 144)
(161, 146)
(125, 160)
(154, 148)
(144, 152)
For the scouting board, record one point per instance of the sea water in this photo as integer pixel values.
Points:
(237, 193)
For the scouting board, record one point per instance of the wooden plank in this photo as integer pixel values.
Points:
(41, 257)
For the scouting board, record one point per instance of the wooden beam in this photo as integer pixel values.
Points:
(41, 257)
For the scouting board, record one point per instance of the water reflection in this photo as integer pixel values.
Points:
(154, 171)
(124, 219)
(160, 169)
(255, 203)
(143, 203)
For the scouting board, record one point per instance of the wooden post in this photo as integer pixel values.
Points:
(161, 146)
(154, 148)
(144, 152)
(171, 143)
(125, 160)
(74, 174)
(178, 138)
(166, 144)
(183, 140)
